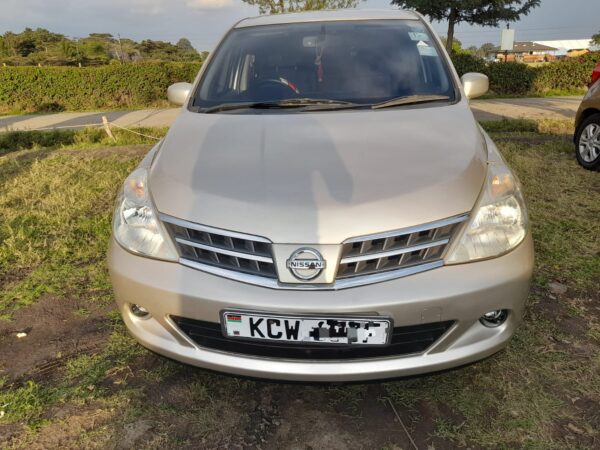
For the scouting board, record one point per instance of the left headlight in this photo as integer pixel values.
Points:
(498, 223)
(135, 224)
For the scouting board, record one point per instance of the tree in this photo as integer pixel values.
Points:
(40, 46)
(3, 47)
(165, 51)
(68, 49)
(456, 44)
(10, 43)
(26, 46)
(102, 36)
(475, 12)
(596, 39)
(185, 44)
(486, 49)
(283, 6)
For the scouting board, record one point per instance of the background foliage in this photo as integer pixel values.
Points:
(43, 47)
(285, 6)
(487, 13)
(43, 89)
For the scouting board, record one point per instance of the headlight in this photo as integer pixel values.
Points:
(498, 224)
(135, 224)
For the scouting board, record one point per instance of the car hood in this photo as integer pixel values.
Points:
(320, 178)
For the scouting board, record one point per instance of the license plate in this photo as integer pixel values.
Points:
(307, 329)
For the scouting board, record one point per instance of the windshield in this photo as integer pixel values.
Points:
(359, 62)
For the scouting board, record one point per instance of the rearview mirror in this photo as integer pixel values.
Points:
(178, 93)
(475, 84)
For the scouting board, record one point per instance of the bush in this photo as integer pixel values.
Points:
(569, 75)
(510, 78)
(513, 78)
(466, 62)
(37, 89)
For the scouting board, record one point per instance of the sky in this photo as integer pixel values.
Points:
(203, 22)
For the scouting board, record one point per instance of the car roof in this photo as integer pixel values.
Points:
(328, 15)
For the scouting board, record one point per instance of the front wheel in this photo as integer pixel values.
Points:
(587, 143)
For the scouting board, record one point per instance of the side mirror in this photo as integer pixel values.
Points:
(475, 84)
(178, 93)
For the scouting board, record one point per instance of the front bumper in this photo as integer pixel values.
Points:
(462, 293)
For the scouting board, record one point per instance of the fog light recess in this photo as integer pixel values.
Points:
(494, 319)
(139, 311)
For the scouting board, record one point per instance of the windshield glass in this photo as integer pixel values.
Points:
(363, 62)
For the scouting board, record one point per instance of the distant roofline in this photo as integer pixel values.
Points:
(329, 15)
(526, 46)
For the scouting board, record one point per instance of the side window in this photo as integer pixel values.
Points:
(433, 73)
(216, 82)
(247, 72)
(234, 76)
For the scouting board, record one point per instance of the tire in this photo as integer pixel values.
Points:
(587, 143)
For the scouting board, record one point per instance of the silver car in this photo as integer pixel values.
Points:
(325, 208)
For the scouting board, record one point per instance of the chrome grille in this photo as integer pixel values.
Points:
(364, 260)
(397, 250)
(205, 247)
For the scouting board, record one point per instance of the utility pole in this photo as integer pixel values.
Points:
(120, 47)
(507, 41)
(506, 51)
(76, 39)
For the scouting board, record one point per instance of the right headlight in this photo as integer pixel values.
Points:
(135, 223)
(498, 223)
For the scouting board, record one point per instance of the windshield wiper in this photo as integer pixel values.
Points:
(288, 103)
(316, 104)
(243, 105)
(409, 100)
(314, 101)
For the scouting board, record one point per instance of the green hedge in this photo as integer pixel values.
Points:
(512, 78)
(87, 88)
(568, 75)
(38, 89)
(465, 62)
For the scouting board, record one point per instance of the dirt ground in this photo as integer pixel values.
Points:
(252, 414)
(268, 415)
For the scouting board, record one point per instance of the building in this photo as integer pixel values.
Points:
(541, 51)
(566, 47)
(527, 52)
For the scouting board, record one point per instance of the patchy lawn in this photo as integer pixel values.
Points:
(77, 380)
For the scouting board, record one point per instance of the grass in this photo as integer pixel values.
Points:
(82, 138)
(51, 108)
(520, 398)
(549, 93)
(515, 127)
(56, 222)
(543, 392)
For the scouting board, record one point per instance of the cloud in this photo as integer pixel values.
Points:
(209, 4)
(147, 7)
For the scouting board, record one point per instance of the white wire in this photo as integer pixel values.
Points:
(134, 132)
